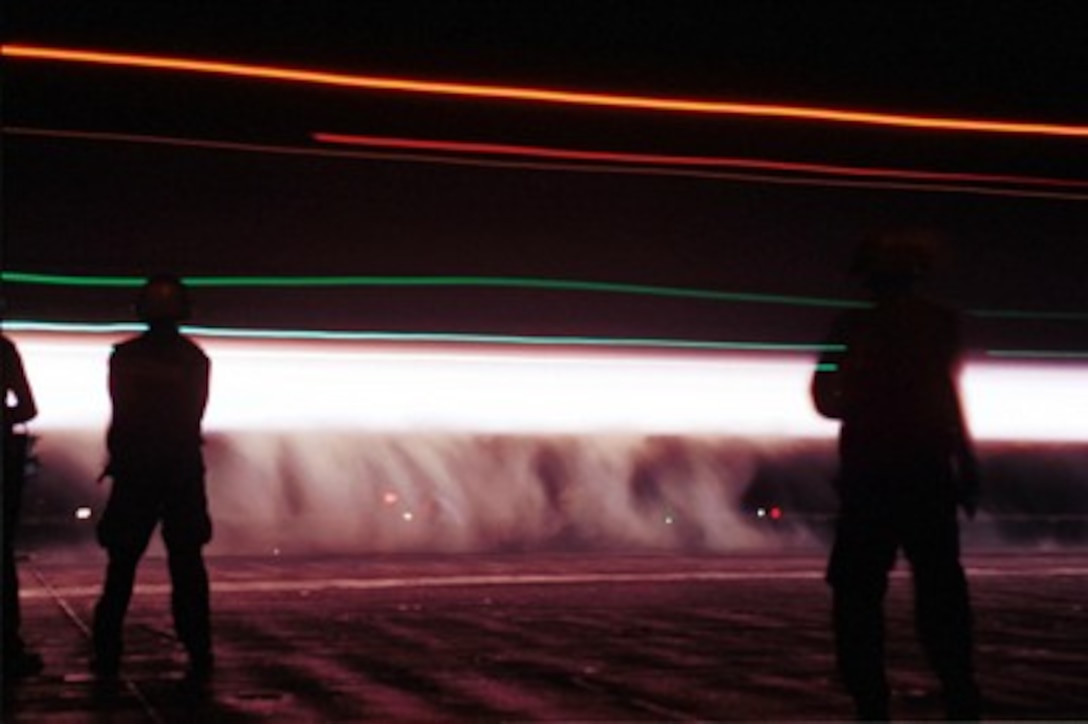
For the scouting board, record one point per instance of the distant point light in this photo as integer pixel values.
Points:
(540, 95)
(83, 513)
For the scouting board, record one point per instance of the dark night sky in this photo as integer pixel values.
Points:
(93, 207)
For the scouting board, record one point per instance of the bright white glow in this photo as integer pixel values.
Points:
(68, 376)
(83, 513)
(359, 386)
(1030, 401)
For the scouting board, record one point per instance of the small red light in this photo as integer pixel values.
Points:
(776, 513)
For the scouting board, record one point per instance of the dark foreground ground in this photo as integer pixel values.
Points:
(532, 637)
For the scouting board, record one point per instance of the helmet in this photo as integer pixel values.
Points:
(163, 298)
(905, 255)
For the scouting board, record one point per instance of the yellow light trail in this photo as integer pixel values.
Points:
(543, 95)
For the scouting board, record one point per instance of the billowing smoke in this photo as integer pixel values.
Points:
(1035, 494)
(324, 492)
(354, 448)
(277, 492)
(463, 492)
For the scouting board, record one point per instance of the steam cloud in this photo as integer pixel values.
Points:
(363, 492)
(325, 492)
(461, 493)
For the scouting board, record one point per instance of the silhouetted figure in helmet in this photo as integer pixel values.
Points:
(159, 388)
(18, 408)
(906, 464)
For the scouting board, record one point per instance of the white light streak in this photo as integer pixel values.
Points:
(1027, 401)
(284, 386)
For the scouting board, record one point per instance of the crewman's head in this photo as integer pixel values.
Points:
(163, 298)
(896, 260)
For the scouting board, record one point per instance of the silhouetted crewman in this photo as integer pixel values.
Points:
(18, 407)
(905, 465)
(158, 384)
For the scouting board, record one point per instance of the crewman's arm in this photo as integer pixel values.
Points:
(16, 383)
(965, 464)
(827, 381)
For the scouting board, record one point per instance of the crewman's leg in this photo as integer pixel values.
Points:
(189, 602)
(109, 613)
(858, 574)
(943, 614)
(17, 660)
(11, 618)
(124, 531)
(186, 529)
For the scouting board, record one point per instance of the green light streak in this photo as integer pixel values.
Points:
(68, 280)
(566, 285)
(524, 283)
(429, 338)
(1029, 315)
(1038, 354)
(507, 340)
(72, 327)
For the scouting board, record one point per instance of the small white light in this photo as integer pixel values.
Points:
(83, 513)
(407, 515)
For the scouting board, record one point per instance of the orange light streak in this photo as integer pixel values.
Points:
(543, 95)
(495, 149)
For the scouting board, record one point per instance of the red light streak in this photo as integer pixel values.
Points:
(543, 95)
(494, 149)
(631, 167)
